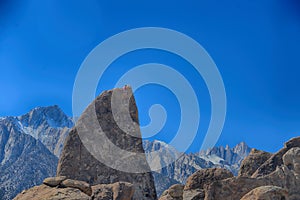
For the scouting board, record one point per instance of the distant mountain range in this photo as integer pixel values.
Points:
(31, 144)
(187, 164)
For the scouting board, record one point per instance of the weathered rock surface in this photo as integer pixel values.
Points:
(266, 193)
(45, 192)
(233, 188)
(253, 161)
(206, 176)
(115, 191)
(76, 162)
(194, 188)
(291, 159)
(81, 185)
(197, 194)
(175, 192)
(276, 159)
(54, 181)
(78, 190)
(283, 182)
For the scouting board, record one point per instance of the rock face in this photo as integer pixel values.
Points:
(276, 160)
(206, 176)
(115, 191)
(252, 162)
(76, 162)
(174, 192)
(266, 193)
(281, 183)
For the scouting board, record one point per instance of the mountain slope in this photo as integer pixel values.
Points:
(50, 125)
(24, 161)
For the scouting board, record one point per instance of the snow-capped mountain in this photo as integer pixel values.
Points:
(186, 164)
(50, 125)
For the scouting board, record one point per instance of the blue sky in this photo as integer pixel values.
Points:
(255, 45)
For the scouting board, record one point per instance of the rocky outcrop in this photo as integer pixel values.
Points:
(281, 183)
(252, 162)
(196, 183)
(206, 176)
(233, 188)
(52, 193)
(77, 162)
(175, 192)
(285, 176)
(266, 193)
(276, 159)
(77, 190)
(115, 191)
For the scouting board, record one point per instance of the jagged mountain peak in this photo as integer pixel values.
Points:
(49, 124)
(53, 116)
(242, 148)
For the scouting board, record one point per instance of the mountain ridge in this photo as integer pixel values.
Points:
(52, 135)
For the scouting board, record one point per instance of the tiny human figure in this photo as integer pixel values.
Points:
(125, 87)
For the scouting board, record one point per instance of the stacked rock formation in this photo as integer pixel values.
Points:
(262, 176)
(58, 188)
(87, 176)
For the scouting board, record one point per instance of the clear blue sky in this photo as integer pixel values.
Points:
(255, 44)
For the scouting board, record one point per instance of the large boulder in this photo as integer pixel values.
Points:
(252, 162)
(206, 176)
(54, 181)
(115, 191)
(52, 193)
(99, 120)
(266, 193)
(232, 188)
(175, 192)
(194, 188)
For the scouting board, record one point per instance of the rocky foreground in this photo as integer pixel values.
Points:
(262, 177)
